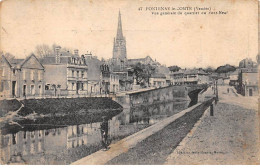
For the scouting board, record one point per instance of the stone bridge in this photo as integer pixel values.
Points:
(159, 95)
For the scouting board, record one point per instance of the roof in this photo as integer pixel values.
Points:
(158, 75)
(235, 72)
(15, 62)
(195, 71)
(6, 60)
(249, 70)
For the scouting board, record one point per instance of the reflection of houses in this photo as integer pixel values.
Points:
(85, 134)
(21, 77)
(194, 76)
(152, 113)
(65, 73)
(89, 134)
(248, 82)
(31, 145)
(25, 144)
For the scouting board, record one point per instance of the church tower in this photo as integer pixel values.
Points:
(119, 49)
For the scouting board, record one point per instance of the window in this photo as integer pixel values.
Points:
(3, 71)
(82, 86)
(72, 72)
(2, 86)
(82, 74)
(32, 134)
(24, 134)
(24, 74)
(32, 90)
(31, 74)
(72, 86)
(14, 71)
(47, 87)
(39, 75)
(77, 74)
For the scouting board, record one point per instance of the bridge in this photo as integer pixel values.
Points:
(159, 95)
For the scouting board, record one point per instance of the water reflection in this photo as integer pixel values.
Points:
(51, 146)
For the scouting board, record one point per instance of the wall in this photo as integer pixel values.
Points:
(56, 74)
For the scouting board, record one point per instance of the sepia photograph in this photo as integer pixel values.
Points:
(129, 82)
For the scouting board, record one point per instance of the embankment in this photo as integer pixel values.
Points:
(54, 112)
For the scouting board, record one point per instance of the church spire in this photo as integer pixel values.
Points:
(119, 28)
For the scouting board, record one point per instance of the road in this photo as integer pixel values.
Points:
(231, 136)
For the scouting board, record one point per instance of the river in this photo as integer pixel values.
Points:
(74, 137)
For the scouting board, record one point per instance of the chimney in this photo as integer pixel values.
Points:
(57, 54)
(76, 52)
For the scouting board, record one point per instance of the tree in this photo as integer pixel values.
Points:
(209, 69)
(42, 51)
(9, 56)
(143, 73)
(225, 69)
(174, 68)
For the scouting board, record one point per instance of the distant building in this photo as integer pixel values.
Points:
(247, 63)
(248, 82)
(157, 80)
(119, 49)
(118, 64)
(109, 80)
(94, 74)
(233, 77)
(65, 74)
(147, 60)
(22, 77)
(190, 76)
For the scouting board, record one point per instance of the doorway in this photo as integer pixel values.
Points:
(77, 87)
(250, 92)
(13, 88)
(40, 90)
(24, 90)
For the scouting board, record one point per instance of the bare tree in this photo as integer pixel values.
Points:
(43, 51)
(7, 55)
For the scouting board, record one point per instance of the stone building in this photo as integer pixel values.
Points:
(157, 80)
(189, 76)
(248, 82)
(22, 77)
(65, 74)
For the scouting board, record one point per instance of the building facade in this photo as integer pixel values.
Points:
(65, 74)
(248, 82)
(157, 80)
(22, 77)
(189, 77)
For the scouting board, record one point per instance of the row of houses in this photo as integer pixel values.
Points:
(60, 74)
(244, 78)
(189, 77)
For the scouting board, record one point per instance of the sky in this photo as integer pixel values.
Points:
(90, 25)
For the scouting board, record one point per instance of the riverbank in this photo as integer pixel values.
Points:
(33, 114)
(155, 149)
(127, 144)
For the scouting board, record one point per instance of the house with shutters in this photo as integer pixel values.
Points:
(22, 78)
(65, 74)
